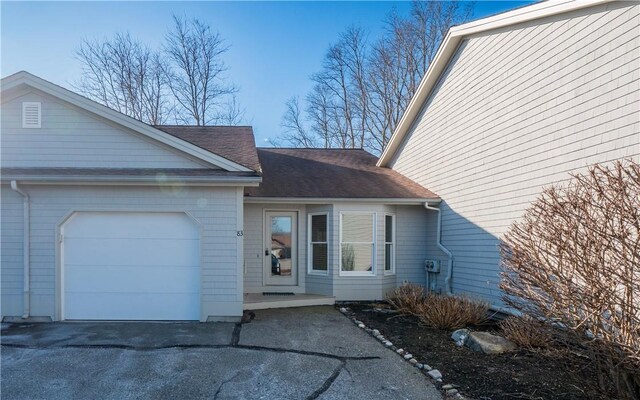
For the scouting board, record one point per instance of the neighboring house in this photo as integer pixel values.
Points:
(105, 217)
(513, 103)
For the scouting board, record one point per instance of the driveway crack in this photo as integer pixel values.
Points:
(235, 336)
(215, 396)
(328, 382)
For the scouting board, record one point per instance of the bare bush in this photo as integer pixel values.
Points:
(574, 260)
(452, 312)
(527, 332)
(407, 298)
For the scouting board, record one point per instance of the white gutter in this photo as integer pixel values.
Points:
(447, 280)
(25, 247)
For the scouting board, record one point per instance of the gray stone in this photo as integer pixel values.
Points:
(343, 310)
(361, 326)
(426, 367)
(419, 366)
(388, 344)
(447, 387)
(460, 336)
(452, 392)
(376, 332)
(435, 374)
(485, 342)
(400, 351)
(408, 356)
(413, 361)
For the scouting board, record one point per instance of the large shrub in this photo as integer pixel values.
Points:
(574, 261)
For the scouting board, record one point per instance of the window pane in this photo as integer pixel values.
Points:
(388, 256)
(357, 257)
(318, 228)
(319, 257)
(388, 228)
(357, 228)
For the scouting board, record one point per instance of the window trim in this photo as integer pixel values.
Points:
(392, 271)
(310, 243)
(374, 217)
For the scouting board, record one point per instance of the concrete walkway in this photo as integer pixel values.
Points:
(303, 353)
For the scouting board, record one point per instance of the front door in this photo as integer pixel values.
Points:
(280, 254)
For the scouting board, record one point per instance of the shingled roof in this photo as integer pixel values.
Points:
(330, 173)
(235, 143)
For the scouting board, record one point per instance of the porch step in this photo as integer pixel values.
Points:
(257, 301)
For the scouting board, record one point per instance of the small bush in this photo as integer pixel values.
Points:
(451, 312)
(527, 332)
(407, 298)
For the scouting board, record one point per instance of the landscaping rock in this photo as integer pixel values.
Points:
(375, 332)
(452, 392)
(419, 366)
(426, 367)
(413, 361)
(361, 326)
(388, 344)
(343, 310)
(460, 336)
(408, 356)
(400, 351)
(435, 374)
(447, 387)
(485, 342)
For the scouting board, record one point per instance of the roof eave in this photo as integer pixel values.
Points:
(327, 200)
(250, 181)
(449, 46)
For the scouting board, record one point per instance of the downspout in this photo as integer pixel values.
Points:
(25, 247)
(447, 280)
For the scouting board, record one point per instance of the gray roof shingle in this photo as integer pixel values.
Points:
(330, 173)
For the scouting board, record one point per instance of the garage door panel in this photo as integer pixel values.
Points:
(132, 279)
(139, 306)
(133, 225)
(132, 252)
(131, 266)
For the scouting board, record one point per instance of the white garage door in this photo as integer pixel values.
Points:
(131, 266)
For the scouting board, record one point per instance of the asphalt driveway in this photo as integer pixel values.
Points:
(303, 353)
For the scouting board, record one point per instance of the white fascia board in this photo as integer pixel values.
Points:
(26, 78)
(450, 45)
(321, 200)
(140, 181)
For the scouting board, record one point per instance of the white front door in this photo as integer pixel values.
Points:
(280, 248)
(131, 266)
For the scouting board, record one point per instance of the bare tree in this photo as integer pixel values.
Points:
(363, 89)
(196, 74)
(125, 75)
(294, 131)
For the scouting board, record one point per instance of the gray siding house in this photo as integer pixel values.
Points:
(105, 217)
(513, 103)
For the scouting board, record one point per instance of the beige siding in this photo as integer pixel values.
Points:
(214, 209)
(11, 251)
(518, 109)
(71, 137)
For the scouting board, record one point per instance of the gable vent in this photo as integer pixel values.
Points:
(31, 115)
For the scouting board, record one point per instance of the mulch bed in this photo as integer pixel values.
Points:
(517, 375)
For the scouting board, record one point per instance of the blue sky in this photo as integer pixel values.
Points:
(275, 46)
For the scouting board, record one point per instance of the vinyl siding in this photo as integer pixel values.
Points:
(254, 248)
(518, 109)
(11, 248)
(415, 243)
(215, 209)
(71, 137)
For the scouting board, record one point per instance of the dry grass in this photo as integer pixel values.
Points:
(451, 312)
(527, 332)
(407, 298)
